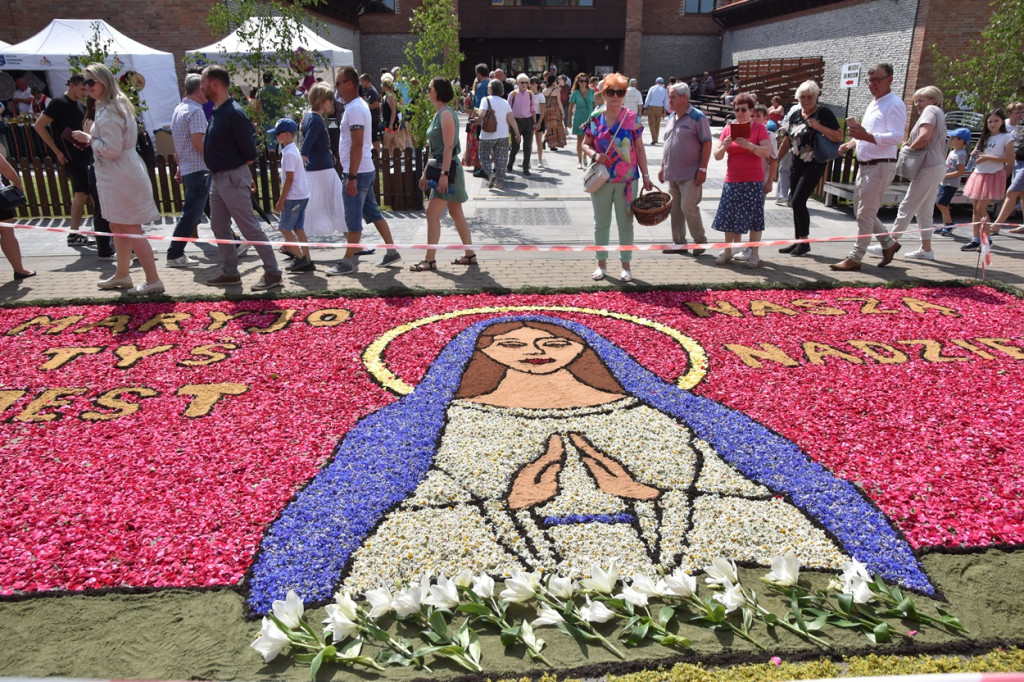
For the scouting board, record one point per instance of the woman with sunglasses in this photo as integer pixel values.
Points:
(614, 138)
(741, 209)
(805, 123)
(581, 106)
(121, 180)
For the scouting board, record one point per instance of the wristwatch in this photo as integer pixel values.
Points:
(350, 176)
(445, 173)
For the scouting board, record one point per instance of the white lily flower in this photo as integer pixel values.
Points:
(732, 597)
(464, 579)
(521, 587)
(381, 602)
(633, 596)
(347, 605)
(721, 572)
(681, 584)
(547, 616)
(785, 570)
(444, 594)
(596, 612)
(601, 581)
(561, 588)
(641, 583)
(289, 611)
(483, 586)
(408, 601)
(270, 641)
(852, 570)
(338, 623)
(859, 588)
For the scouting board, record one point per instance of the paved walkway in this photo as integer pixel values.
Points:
(549, 207)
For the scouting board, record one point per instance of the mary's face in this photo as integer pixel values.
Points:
(533, 351)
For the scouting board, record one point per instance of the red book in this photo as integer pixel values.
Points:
(738, 130)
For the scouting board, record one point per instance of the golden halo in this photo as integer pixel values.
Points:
(373, 356)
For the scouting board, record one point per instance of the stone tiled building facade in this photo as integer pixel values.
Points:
(642, 38)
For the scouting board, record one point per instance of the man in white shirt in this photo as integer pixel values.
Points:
(876, 138)
(634, 99)
(354, 153)
(657, 100)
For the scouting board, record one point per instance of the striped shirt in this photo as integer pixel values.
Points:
(188, 118)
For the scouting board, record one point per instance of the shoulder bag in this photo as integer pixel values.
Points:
(824, 148)
(908, 161)
(489, 124)
(597, 173)
(11, 198)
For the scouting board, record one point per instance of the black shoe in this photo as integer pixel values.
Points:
(526, 171)
(972, 245)
(802, 249)
(788, 249)
(509, 168)
(303, 265)
(479, 173)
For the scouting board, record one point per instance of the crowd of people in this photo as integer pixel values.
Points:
(764, 145)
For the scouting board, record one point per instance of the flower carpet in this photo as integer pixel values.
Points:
(256, 447)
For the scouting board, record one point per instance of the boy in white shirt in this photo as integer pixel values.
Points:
(294, 196)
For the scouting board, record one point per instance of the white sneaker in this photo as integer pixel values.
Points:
(782, 201)
(875, 250)
(147, 288)
(743, 255)
(921, 254)
(183, 262)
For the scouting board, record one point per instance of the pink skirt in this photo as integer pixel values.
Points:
(986, 185)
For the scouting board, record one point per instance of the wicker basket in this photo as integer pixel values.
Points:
(652, 208)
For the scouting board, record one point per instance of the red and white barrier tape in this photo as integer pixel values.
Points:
(540, 248)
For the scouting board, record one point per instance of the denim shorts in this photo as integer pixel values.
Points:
(293, 217)
(362, 205)
(946, 193)
(1017, 182)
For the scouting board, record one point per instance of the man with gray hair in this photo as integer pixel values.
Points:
(877, 138)
(188, 130)
(634, 100)
(684, 166)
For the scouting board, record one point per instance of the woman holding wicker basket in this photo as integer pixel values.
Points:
(613, 137)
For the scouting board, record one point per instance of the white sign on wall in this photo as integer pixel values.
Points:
(851, 76)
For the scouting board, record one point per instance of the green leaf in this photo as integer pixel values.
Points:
(575, 632)
(636, 634)
(881, 633)
(473, 607)
(438, 624)
(672, 641)
(314, 666)
(665, 614)
(845, 602)
(772, 619)
(351, 648)
(509, 636)
(394, 658)
(816, 624)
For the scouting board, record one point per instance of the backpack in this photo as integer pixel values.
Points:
(489, 124)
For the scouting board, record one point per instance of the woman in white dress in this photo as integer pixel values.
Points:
(122, 182)
(325, 212)
(534, 443)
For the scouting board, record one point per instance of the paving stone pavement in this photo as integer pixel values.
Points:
(548, 207)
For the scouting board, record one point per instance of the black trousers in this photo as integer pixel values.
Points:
(803, 178)
(525, 126)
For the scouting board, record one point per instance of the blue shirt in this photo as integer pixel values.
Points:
(480, 93)
(316, 144)
(229, 138)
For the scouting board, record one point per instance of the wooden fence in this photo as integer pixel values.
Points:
(48, 189)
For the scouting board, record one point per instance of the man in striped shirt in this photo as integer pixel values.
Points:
(188, 130)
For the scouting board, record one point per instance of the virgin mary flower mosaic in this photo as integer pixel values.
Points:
(532, 442)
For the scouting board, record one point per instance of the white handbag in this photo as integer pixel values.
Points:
(595, 176)
(597, 173)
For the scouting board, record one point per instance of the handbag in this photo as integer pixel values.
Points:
(489, 124)
(597, 173)
(909, 161)
(11, 198)
(433, 170)
(824, 148)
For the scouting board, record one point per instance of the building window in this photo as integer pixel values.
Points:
(699, 6)
(542, 3)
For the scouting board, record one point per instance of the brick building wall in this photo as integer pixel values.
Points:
(670, 55)
(861, 31)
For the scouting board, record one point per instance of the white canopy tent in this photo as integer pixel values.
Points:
(3, 45)
(233, 45)
(50, 50)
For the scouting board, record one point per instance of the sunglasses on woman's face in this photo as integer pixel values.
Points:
(614, 93)
(89, 82)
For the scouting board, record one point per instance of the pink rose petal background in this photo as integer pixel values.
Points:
(159, 499)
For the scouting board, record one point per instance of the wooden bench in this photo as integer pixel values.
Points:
(839, 182)
(716, 110)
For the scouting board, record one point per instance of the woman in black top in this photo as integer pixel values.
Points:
(806, 122)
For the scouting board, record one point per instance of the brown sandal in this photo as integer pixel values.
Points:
(465, 260)
(424, 265)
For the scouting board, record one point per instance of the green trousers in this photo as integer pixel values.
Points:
(612, 196)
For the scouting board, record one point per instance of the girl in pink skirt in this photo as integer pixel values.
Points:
(988, 181)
